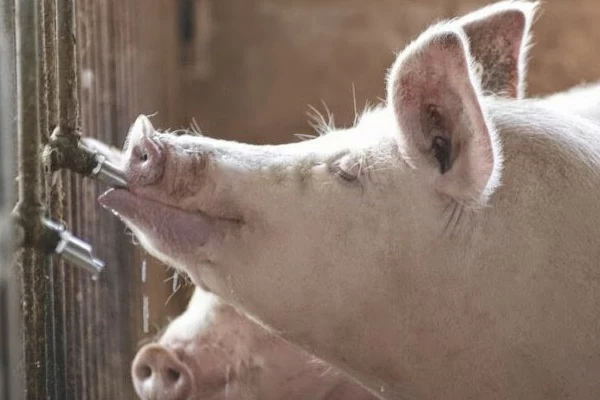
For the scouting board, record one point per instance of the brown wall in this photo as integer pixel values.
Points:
(269, 59)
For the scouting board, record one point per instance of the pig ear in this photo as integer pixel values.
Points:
(499, 37)
(141, 132)
(435, 97)
(143, 126)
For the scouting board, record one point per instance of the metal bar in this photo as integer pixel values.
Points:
(54, 189)
(11, 345)
(68, 106)
(29, 208)
(45, 298)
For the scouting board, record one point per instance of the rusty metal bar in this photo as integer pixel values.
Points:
(54, 189)
(56, 185)
(29, 206)
(68, 106)
(65, 150)
(29, 209)
(42, 289)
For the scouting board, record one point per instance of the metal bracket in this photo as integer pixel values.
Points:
(71, 248)
(66, 152)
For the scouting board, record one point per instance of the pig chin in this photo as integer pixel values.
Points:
(177, 237)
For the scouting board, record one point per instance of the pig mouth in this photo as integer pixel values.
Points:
(168, 228)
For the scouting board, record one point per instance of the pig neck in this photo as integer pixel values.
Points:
(535, 255)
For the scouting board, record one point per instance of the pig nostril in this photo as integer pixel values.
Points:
(173, 375)
(145, 372)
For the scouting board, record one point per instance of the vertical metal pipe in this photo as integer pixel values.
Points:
(30, 203)
(29, 206)
(67, 67)
(11, 377)
(53, 190)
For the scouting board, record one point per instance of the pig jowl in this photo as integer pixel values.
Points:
(445, 246)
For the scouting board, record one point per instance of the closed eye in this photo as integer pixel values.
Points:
(346, 175)
(345, 169)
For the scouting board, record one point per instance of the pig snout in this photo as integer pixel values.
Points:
(157, 167)
(158, 375)
(146, 163)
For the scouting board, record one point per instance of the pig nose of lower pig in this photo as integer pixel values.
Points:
(158, 374)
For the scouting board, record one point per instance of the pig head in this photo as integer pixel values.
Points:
(446, 246)
(214, 352)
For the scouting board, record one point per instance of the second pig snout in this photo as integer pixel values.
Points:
(158, 374)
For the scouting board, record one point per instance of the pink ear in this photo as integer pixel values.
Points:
(499, 37)
(143, 125)
(141, 130)
(436, 101)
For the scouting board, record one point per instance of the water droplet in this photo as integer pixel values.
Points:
(175, 281)
(146, 314)
(144, 271)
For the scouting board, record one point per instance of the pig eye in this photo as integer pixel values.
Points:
(144, 157)
(346, 169)
(348, 177)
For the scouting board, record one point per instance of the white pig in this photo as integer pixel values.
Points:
(445, 247)
(583, 100)
(195, 356)
(212, 352)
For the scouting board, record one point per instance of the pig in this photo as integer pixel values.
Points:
(209, 323)
(187, 346)
(212, 351)
(189, 336)
(583, 100)
(445, 246)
